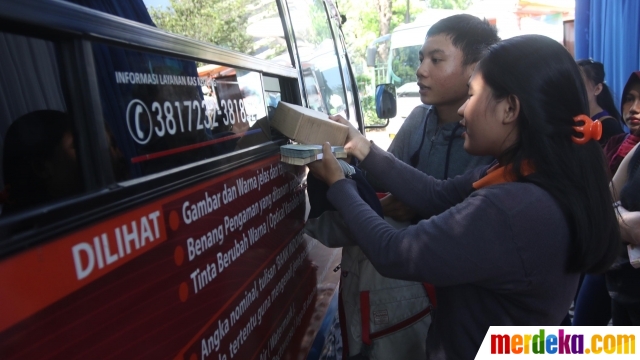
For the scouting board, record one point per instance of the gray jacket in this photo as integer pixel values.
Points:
(442, 151)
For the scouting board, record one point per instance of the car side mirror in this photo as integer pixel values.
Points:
(386, 106)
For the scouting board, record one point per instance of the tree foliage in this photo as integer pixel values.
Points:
(363, 22)
(450, 4)
(224, 23)
(220, 22)
(400, 10)
(319, 25)
(384, 8)
(404, 63)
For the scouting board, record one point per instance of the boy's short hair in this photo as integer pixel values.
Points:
(468, 33)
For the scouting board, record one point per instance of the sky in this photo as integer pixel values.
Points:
(156, 3)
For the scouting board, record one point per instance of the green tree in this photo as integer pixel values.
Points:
(363, 22)
(220, 22)
(361, 27)
(385, 12)
(399, 13)
(449, 4)
(319, 24)
(404, 62)
(368, 103)
(369, 108)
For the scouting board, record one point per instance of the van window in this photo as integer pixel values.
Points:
(38, 153)
(272, 92)
(321, 72)
(404, 64)
(165, 112)
(252, 27)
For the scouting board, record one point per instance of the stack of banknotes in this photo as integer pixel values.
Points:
(299, 154)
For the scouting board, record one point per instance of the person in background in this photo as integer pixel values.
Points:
(210, 104)
(39, 160)
(623, 280)
(601, 104)
(593, 303)
(619, 146)
(483, 245)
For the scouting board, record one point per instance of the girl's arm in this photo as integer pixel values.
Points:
(621, 176)
(469, 243)
(629, 222)
(421, 192)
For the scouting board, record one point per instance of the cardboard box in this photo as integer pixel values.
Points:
(308, 126)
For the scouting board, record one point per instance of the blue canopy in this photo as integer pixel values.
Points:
(609, 31)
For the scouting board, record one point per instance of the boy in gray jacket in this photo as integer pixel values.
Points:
(430, 137)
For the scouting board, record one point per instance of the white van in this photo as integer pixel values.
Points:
(144, 212)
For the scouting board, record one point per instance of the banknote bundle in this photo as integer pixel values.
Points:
(300, 154)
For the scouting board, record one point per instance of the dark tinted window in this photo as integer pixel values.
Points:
(316, 48)
(39, 161)
(164, 112)
(272, 92)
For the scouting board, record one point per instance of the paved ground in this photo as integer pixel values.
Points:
(379, 137)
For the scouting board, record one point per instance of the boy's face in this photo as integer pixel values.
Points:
(441, 76)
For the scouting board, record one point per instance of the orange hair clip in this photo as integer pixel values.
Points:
(590, 130)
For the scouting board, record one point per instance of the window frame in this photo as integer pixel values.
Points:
(298, 62)
(76, 28)
(347, 71)
(340, 57)
(341, 54)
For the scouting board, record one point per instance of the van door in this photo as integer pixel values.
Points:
(181, 235)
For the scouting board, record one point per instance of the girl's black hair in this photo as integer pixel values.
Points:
(468, 33)
(594, 71)
(547, 82)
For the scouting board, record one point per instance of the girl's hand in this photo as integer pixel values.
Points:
(356, 145)
(621, 176)
(395, 209)
(629, 222)
(328, 169)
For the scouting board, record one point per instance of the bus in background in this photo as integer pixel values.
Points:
(406, 40)
(144, 210)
